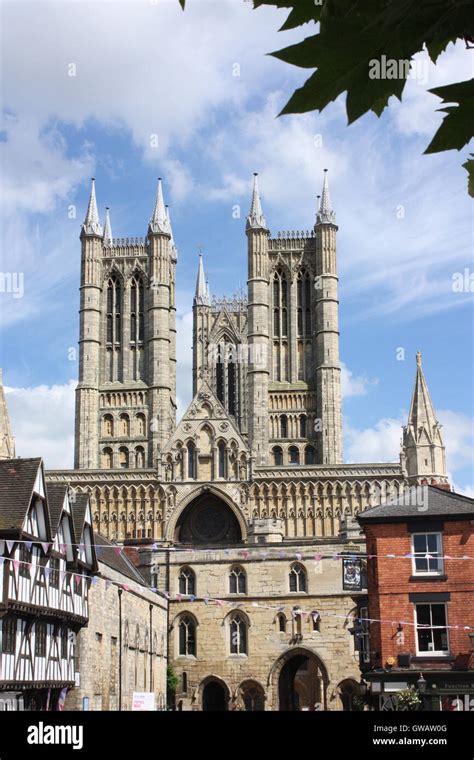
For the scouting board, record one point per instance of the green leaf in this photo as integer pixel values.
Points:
(182, 3)
(469, 167)
(303, 12)
(457, 127)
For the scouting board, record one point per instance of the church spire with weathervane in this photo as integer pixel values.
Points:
(423, 450)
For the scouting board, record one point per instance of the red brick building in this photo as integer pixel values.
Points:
(420, 599)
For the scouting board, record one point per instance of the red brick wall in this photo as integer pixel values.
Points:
(389, 586)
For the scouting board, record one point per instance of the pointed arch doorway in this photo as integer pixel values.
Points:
(215, 696)
(301, 681)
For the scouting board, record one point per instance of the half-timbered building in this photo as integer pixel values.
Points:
(47, 558)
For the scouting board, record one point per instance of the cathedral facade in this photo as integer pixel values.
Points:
(243, 511)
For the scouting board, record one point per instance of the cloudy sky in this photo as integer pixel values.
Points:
(127, 92)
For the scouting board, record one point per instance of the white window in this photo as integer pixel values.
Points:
(431, 629)
(427, 550)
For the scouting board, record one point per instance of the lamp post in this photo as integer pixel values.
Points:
(421, 684)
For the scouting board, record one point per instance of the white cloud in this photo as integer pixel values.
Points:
(352, 385)
(379, 443)
(42, 422)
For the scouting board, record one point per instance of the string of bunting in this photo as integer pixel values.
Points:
(215, 601)
(244, 553)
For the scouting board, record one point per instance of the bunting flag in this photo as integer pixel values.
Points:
(47, 571)
(256, 553)
(16, 564)
(2, 560)
(82, 547)
(28, 545)
(294, 610)
(78, 579)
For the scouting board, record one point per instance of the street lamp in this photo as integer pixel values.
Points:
(362, 687)
(421, 684)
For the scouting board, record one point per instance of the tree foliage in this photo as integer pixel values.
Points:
(351, 34)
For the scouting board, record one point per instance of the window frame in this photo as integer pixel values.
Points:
(183, 621)
(431, 652)
(423, 555)
(237, 619)
(237, 573)
(303, 573)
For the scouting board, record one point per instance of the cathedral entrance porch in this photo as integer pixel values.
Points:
(215, 696)
(302, 681)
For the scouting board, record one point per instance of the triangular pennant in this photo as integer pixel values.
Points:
(47, 571)
(16, 564)
(45, 547)
(10, 545)
(125, 587)
(28, 545)
(2, 547)
(99, 550)
(94, 580)
(78, 579)
(117, 550)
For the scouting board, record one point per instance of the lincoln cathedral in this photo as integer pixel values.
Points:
(242, 513)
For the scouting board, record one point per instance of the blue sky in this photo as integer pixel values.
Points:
(200, 83)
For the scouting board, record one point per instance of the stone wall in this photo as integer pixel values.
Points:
(98, 646)
(267, 568)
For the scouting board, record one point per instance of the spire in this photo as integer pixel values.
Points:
(201, 297)
(108, 239)
(174, 249)
(91, 224)
(159, 223)
(422, 444)
(7, 443)
(422, 414)
(256, 219)
(325, 214)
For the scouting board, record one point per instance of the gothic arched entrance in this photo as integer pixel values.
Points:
(208, 520)
(215, 696)
(301, 681)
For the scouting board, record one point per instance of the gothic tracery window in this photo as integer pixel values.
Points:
(237, 581)
(187, 581)
(187, 636)
(298, 579)
(280, 297)
(238, 634)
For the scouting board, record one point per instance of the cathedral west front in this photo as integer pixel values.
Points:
(241, 512)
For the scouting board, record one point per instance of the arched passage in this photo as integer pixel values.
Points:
(215, 695)
(300, 680)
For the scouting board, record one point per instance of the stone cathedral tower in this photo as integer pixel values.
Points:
(273, 361)
(126, 395)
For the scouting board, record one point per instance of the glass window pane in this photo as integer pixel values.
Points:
(438, 614)
(423, 614)
(419, 542)
(432, 543)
